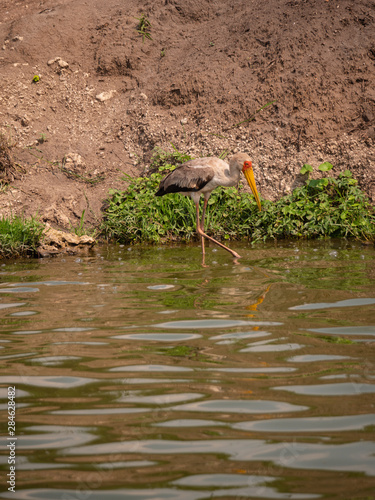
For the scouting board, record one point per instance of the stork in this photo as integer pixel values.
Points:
(200, 177)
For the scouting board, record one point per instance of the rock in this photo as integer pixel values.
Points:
(55, 241)
(104, 96)
(74, 162)
(63, 64)
(52, 61)
(25, 121)
(52, 213)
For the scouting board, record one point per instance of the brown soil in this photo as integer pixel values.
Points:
(106, 97)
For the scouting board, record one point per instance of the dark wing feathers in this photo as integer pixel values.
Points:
(185, 178)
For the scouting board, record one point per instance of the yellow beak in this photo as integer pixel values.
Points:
(249, 174)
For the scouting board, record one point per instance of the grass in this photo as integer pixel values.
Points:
(81, 229)
(325, 207)
(19, 236)
(143, 27)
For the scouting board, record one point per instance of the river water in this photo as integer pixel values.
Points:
(140, 374)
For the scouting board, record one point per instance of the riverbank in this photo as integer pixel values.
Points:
(288, 82)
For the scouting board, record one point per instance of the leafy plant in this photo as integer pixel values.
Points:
(42, 138)
(143, 27)
(36, 79)
(306, 169)
(329, 206)
(19, 236)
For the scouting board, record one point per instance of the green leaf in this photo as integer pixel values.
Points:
(315, 183)
(305, 169)
(325, 167)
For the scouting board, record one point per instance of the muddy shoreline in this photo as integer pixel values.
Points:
(106, 99)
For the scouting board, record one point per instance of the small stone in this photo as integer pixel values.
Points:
(104, 96)
(25, 122)
(74, 161)
(52, 61)
(63, 64)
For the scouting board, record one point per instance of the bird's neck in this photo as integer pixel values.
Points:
(232, 176)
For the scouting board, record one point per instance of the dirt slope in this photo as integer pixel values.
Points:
(106, 97)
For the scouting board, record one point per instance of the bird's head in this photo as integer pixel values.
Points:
(247, 170)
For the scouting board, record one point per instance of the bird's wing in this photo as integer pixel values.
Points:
(191, 176)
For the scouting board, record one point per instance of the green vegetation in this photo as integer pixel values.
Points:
(143, 27)
(36, 79)
(42, 138)
(82, 229)
(328, 206)
(325, 207)
(19, 236)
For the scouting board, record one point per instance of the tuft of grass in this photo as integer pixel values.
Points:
(144, 27)
(326, 207)
(19, 236)
(81, 229)
(42, 138)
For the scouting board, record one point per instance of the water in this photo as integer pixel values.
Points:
(140, 374)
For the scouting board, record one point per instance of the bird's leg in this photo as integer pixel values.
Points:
(203, 214)
(202, 234)
(202, 224)
(198, 224)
